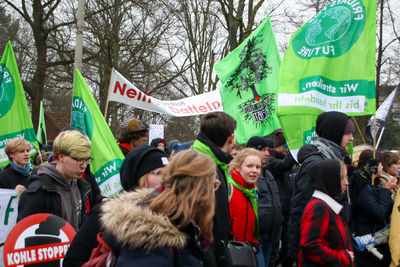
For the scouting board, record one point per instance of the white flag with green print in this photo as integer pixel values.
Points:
(328, 66)
(106, 154)
(15, 119)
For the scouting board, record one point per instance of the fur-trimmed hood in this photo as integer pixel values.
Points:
(138, 226)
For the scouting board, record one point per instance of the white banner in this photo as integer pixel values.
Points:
(121, 90)
(8, 214)
(156, 131)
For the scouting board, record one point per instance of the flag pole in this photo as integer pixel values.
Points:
(374, 149)
(359, 131)
(108, 94)
(380, 137)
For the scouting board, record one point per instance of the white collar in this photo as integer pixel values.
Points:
(336, 207)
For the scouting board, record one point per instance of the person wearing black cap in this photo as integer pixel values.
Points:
(335, 132)
(142, 167)
(281, 165)
(269, 205)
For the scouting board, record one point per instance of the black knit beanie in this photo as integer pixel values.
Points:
(259, 143)
(331, 125)
(139, 161)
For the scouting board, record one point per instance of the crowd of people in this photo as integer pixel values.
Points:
(183, 204)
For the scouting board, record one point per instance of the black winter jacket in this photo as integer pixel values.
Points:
(281, 166)
(41, 197)
(269, 207)
(10, 178)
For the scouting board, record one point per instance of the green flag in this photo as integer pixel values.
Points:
(106, 154)
(328, 66)
(41, 134)
(15, 119)
(249, 76)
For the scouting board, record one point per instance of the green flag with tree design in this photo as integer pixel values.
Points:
(328, 66)
(106, 154)
(15, 119)
(249, 76)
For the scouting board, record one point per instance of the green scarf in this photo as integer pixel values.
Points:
(200, 147)
(252, 196)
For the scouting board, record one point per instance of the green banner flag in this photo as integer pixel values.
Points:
(41, 133)
(106, 154)
(15, 119)
(249, 76)
(328, 66)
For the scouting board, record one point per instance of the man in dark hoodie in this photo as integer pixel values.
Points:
(216, 140)
(335, 132)
(56, 187)
(281, 165)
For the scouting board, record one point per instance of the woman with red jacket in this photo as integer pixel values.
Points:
(325, 238)
(245, 169)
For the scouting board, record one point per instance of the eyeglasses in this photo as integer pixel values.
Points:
(82, 161)
(217, 183)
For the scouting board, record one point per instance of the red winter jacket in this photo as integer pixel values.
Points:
(243, 218)
(322, 242)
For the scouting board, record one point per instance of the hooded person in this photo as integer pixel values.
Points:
(335, 132)
(159, 143)
(325, 237)
(143, 167)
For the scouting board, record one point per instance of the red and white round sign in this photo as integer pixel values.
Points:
(40, 239)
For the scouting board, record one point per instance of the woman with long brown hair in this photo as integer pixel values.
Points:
(167, 226)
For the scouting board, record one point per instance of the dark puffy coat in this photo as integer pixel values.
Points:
(150, 238)
(85, 240)
(269, 207)
(10, 178)
(41, 197)
(371, 209)
(281, 166)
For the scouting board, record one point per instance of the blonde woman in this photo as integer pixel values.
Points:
(168, 226)
(245, 169)
(15, 174)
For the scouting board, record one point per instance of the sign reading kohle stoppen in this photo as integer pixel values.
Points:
(15, 119)
(328, 66)
(123, 91)
(106, 154)
(249, 76)
(38, 239)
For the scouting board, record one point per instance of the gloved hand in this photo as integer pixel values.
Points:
(372, 166)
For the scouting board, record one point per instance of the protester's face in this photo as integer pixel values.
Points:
(265, 154)
(155, 177)
(72, 167)
(346, 139)
(21, 157)
(234, 152)
(161, 146)
(250, 169)
(393, 169)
